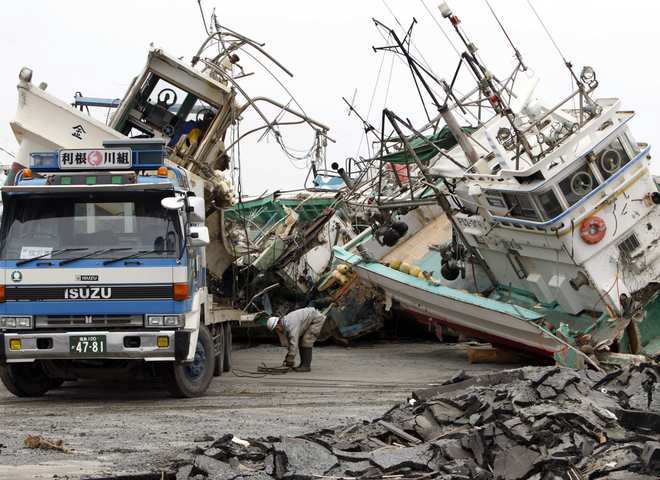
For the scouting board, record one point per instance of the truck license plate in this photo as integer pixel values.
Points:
(87, 344)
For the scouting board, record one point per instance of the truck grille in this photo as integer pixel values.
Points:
(88, 321)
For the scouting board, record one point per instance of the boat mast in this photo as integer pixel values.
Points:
(486, 82)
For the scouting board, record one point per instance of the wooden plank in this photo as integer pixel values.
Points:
(492, 355)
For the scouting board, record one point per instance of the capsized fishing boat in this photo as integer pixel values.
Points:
(550, 241)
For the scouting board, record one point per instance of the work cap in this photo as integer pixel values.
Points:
(272, 322)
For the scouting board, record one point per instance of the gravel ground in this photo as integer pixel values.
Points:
(119, 428)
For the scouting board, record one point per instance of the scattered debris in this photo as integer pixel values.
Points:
(39, 442)
(483, 354)
(529, 423)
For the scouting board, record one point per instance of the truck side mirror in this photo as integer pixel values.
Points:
(196, 209)
(172, 203)
(199, 236)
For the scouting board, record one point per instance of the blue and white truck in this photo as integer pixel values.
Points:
(113, 246)
(103, 269)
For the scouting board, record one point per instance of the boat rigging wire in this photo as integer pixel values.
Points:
(7, 152)
(201, 11)
(371, 102)
(280, 83)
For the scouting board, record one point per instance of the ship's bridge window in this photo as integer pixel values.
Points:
(610, 159)
(521, 205)
(578, 185)
(549, 204)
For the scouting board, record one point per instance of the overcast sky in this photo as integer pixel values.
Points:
(96, 47)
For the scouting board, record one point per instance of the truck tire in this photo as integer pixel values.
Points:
(192, 379)
(26, 379)
(219, 342)
(227, 347)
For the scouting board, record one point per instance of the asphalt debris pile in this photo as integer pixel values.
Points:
(546, 423)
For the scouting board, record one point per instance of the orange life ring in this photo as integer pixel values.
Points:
(593, 230)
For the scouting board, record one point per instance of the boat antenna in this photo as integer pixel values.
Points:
(201, 11)
(435, 20)
(568, 64)
(368, 127)
(506, 34)
(485, 79)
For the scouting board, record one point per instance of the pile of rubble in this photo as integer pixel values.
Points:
(531, 423)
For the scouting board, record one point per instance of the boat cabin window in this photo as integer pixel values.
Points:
(161, 109)
(610, 159)
(521, 205)
(549, 204)
(536, 207)
(578, 185)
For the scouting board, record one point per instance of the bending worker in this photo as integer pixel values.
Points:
(300, 329)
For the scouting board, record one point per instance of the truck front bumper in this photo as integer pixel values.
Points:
(119, 345)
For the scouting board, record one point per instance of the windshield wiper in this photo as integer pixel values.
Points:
(56, 252)
(136, 254)
(96, 252)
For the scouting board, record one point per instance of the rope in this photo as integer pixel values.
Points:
(263, 370)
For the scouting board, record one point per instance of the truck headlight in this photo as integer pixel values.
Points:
(165, 321)
(172, 320)
(16, 323)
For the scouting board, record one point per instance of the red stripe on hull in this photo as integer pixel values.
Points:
(494, 339)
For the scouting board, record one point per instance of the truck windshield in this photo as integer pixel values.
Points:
(69, 225)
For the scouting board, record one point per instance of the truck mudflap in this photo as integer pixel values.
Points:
(181, 345)
(166, 345)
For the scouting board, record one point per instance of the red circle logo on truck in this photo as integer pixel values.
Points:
(95, 158)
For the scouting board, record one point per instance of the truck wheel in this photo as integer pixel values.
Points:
(192, 379)
(227, 347)
(26, 379)
(219, 342)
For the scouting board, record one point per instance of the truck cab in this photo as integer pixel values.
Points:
(103, 269)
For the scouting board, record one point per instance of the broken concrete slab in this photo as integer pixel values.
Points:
(515, 463)
(640, 420)
(214, 468)
(418, 457)
(445, 413)
(304, 457)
